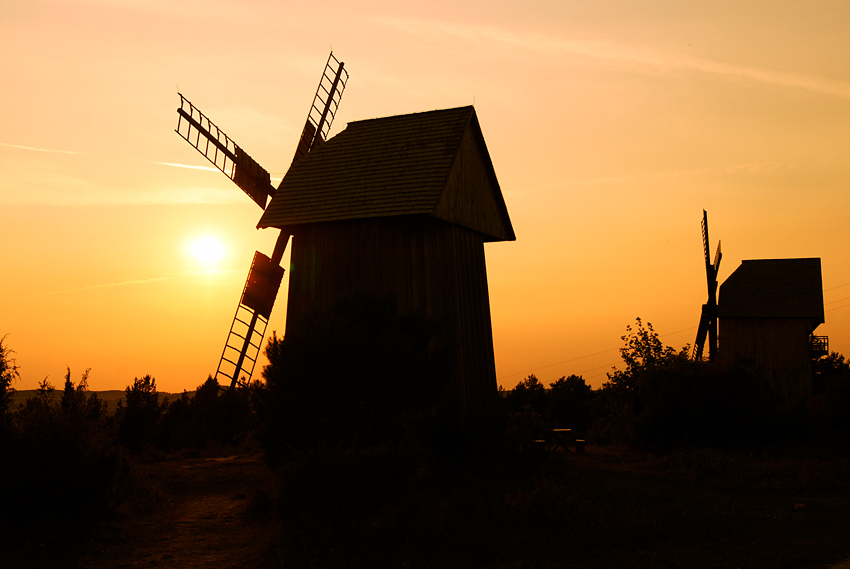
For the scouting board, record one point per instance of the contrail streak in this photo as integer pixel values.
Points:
(190, 167)
(605, 50)
(105, 285)
(34, 149)
(131, 282)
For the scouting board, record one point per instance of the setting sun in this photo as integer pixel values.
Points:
(206, 250)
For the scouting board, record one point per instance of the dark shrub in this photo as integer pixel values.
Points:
(140, 414)
(361, 376)
(62, 465)
(570, 404)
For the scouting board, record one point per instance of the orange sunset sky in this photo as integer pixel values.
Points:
(611, 126)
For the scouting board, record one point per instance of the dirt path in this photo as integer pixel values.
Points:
(206, 514)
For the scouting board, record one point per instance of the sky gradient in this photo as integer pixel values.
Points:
(611, 126)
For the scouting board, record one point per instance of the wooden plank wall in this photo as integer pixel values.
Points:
(433, 268)
(472, 197)
(779, 347)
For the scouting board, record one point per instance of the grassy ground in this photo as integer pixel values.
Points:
(606, 508)
(710, 509)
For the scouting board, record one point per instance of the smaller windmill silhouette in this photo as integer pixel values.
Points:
(708, 320)
(244, 340)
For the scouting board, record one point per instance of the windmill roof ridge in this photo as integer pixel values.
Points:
(395, 166)
(415, 113)
(774, 288)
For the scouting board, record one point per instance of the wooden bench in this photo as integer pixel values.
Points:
(561, 438)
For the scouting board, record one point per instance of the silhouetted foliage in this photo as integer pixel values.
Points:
(830, 406)
(63, 459)
(643, 352)
(210, 416)
(663, 399)
(570, 403)
(140, 414)
(225, 414)
(362, 375)
(528, 392)
(60, 459)
(8, 374)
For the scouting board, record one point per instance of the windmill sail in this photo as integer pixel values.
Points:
(226, 155)
(702, 332)
(708, 318)
(324, 106)
(243, 344)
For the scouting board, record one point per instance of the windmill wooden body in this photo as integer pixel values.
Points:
(244, 340)
(768, 311)
(398, 206)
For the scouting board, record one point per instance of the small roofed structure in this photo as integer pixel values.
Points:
(400, 206)
(767, 312)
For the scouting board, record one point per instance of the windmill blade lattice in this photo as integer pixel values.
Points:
(324, 106)
(218, 148)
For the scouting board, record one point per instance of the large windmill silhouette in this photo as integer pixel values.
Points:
(244, 340)
(708, 320)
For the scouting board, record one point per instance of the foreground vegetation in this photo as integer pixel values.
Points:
(684, 455)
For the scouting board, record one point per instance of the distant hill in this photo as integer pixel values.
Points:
(111, 397)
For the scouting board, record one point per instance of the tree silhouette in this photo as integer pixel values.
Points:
(642, 352)
(8, 374)
(140, 413)
(570, 403)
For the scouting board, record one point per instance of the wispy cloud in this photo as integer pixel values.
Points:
(275, 177)
(101, 286)
(706, 171)
(189, 166)
(34, 149)
(747, 168)
(648, 59)
(133, 282)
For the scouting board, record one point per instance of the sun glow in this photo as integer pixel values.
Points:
(206, 250)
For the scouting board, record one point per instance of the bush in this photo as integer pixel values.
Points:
(140, 414)
(664, 399)
(361, 376)
(830, 406)
(211, 416)
(8, 373)
(570, 404)
(66, 469)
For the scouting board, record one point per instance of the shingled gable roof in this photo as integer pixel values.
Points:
(397, 166)
(773, 288)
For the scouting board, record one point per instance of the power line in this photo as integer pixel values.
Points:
(559, 363)
(836, 286)
(587, 356)
(661, 336)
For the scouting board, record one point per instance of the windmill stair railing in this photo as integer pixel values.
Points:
(819, 345)
(244, 341)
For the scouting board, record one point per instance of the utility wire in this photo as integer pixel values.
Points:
(588, 356)
(661, 336)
